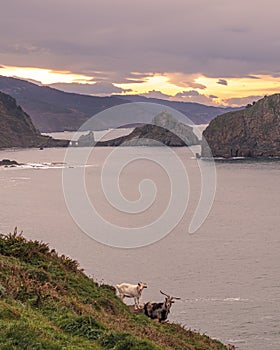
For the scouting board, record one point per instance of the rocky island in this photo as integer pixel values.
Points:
(17, 129)
(164, 129)
(251, 132)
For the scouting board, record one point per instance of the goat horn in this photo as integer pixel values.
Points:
(165, 294)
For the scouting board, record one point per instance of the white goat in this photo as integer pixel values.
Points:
(127, 290)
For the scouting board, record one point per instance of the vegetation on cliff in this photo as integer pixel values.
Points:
(251, 132)
(47, 302)
(17, 129)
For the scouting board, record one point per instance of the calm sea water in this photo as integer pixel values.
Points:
(227, 273)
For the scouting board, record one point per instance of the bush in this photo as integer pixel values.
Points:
(85, 326)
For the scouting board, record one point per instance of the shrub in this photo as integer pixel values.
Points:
(86, 326)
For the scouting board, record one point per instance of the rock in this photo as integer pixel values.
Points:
(8, 162)
(252, 132)
(86, 140)
(164, 130)
(183, 131)
(230, 347)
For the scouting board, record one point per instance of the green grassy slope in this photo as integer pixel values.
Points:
(47, 302)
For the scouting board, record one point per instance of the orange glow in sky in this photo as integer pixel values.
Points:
(168, 83)
(45, 76)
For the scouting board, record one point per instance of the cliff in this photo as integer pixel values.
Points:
(47, 302)
(17, 129)
(251, 132)
(164, 129)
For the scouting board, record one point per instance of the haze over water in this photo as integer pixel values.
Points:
(227, 273)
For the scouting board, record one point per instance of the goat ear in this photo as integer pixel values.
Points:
(139, 284)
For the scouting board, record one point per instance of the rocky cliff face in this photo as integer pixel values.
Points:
(17, 130)
(252, 132)
(164, 129)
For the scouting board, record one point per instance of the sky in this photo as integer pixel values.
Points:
(216, 52)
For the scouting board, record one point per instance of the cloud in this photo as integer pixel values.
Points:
(37, 82)
(187, 93)
(99, 88)
(185, 81)
(156, 94)
(222, 82)
(184, 96)
(142, 36)
(251, 77)
(241, 101)
(196, 85)
(194, 96)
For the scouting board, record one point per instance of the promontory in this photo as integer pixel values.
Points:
(17, 129)
(251, 132)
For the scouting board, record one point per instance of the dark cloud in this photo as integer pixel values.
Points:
(222, 82)
(99, 88)
(252, 77)
(141, 36)
(213, 97)
(196, 85)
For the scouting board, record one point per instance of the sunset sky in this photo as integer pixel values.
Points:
(214, 52)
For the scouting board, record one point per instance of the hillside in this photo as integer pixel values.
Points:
(54, 110)
(163, 130)
(17, 129)
(46, 302)
(251, 132)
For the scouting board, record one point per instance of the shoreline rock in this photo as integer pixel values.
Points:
(8, 162)
(253, 132)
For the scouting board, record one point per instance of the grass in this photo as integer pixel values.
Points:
(47, 302)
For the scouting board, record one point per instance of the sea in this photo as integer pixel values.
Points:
(226, 272)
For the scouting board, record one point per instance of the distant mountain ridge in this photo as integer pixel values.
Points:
(54, 110)
(196, 112)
